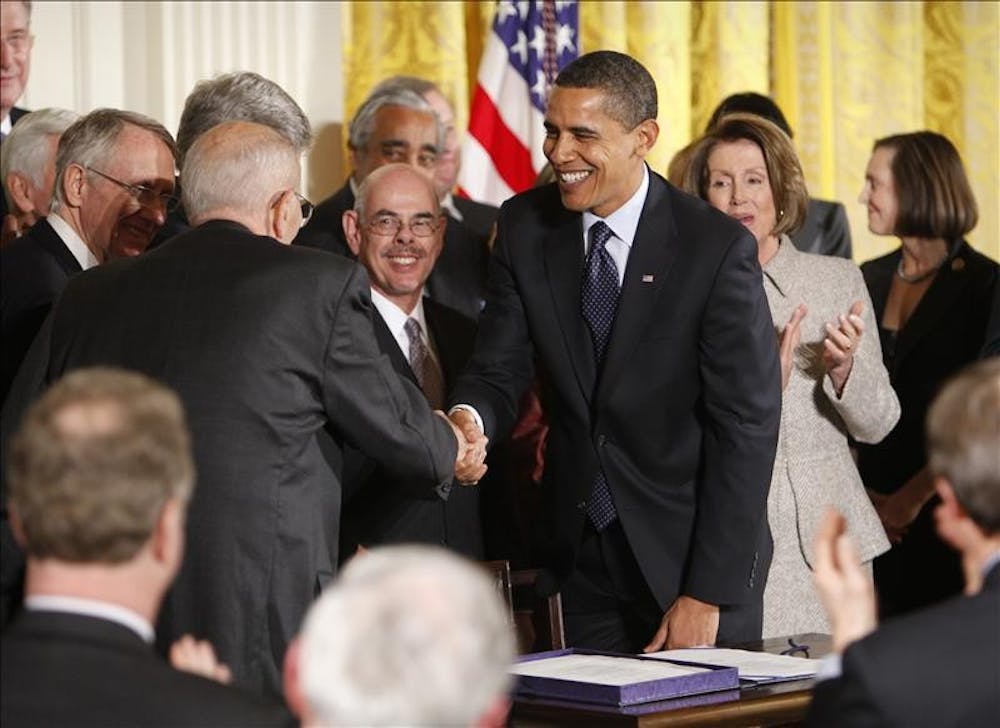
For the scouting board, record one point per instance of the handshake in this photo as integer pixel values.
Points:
(470, 463)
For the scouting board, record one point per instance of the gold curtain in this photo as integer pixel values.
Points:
(844, 74)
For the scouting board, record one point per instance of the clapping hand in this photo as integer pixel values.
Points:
(470, 464)
(789, 342)
(840, 344)
(198, 657)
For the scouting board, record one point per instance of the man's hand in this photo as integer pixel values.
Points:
(689, 622)
(198, 657)
(840, 344)
(789, 342)
(899, 509)
(469, 463)
(844, 587)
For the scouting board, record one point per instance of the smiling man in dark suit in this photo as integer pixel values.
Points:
(396, 230)
(646, 314)
(100, 479)
(271, 349)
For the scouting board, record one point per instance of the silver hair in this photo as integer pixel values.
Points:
(241, 96)
(91, 140)
(363, 123)
(419, 86)
(25, 150)
(409, 635)
(237, 171)
(963, 429)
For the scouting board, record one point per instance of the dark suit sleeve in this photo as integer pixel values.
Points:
(741, 383)
(502, 362)
(378, 412)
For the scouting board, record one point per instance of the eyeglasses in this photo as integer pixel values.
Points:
(306, 206)
(146, 196)
(421, 227)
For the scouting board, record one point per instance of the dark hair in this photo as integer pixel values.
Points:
(933, 194)
(784, 173)
(629, 90)
(749, 102)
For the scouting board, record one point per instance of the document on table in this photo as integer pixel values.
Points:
(603, 669)
(753, 666)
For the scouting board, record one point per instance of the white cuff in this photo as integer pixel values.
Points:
(471, 410)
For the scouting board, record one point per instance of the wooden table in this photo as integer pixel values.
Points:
(776, 704)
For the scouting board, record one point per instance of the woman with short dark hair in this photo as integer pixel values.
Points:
(932, 299)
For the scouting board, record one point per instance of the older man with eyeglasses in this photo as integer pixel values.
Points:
(396, 230)
(114, 186)
(270, 348)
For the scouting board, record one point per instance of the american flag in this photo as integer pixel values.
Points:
(528, 46)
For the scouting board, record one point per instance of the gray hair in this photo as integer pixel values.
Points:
(409, 635)
(91, 140)
(25, 150)
(419, 86)
(363, 123)
(629, 89)
(241, 96)
(237, 165)
(963, 428)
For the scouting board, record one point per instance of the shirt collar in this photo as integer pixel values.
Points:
(84, 256)
(448, 205)
(395, 318)
(92, 608)
(992, 561)
(6, 125)
(625, 220)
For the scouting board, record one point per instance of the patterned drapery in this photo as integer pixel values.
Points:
(844, 73)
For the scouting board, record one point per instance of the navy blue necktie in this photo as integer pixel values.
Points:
(599, 301)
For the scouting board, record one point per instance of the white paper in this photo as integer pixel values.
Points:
(757, 666)
(602, 669)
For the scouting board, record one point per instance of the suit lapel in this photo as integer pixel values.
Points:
(653, 252)
(46, 237)
(563, 251)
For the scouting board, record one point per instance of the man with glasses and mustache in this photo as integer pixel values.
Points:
(114, 187)
(270, 348)
(396, 230)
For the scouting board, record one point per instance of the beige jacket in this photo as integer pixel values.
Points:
(815, 423)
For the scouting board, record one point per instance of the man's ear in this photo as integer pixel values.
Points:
(646, 135)
(352, 230)
(20, 188)
(74, 184)
(16, 528)
(283, 222)
(167, 542)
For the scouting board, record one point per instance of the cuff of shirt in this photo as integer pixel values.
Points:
(471, 410)
(829, 668)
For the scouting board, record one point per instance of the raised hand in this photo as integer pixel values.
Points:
(789, 342)
(469, 463)
(841, 342)
(844, 587)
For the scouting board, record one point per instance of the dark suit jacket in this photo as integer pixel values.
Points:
(15, 114)
(384, 508)
(684, 418)
(34, 270)
(825, 230)
(477, 216)
(63, 669)
(939, 667)
(271, 350)
(459, 276)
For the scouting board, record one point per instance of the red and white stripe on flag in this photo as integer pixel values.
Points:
(529, 44)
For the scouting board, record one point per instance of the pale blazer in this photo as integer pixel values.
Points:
(813, 446)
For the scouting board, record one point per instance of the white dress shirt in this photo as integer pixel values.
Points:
(395, 318)
(74, 242)
(92, 608)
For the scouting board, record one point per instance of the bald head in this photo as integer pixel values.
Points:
(394, 176)
(236, 171)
